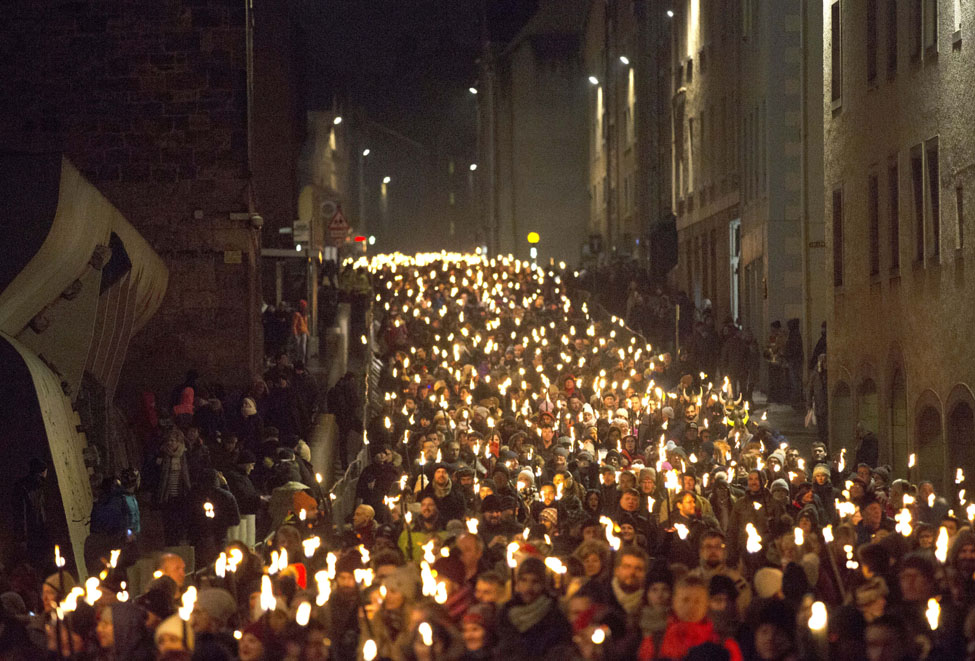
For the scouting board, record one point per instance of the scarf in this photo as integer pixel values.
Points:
(526, 616)
(630, 601)
(441, 492)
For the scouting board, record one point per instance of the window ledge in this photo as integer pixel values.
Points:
(836, 106)
(956, 37)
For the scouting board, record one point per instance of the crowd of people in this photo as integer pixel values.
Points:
(540, 484)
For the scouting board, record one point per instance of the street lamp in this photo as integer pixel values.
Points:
(472, 90)
(337, 120)
(593, 80)
(386, 180)
(473, 166)
(365, 152)
(625, 60)
(670, 13)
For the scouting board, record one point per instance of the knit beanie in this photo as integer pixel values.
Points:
(780, 485)
(54, 581)
(871, 591)
(403, 580)
(821, 468)
(217, 603)
(768, 582)
(550, 515)
(648, 473)
(173, 626)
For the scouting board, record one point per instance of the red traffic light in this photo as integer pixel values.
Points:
(359, 239)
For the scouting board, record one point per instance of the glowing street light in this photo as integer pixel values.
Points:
(386, 180)
(472, 90)
(337, 120)
(365, 152)
(593, 80)
(624, 59)
(670, 13)
(473, 166)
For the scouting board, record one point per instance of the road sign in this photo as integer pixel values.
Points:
(338, 227)
(301, 231)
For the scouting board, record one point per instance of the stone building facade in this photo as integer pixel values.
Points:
(626, 52)
(181, 113)
(898, 116)
(537, 135)
(747, 173)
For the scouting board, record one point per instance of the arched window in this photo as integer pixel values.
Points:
(841, 418)
(961, 440)
(930, 447)
(869, 413)
(898, 424)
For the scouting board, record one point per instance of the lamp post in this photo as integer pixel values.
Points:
(362, 190)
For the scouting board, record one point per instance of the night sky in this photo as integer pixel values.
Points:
(404, 61)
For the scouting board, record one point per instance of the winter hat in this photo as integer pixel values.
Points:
(482, 615)
(454, 528)
(780, 485)
(871, 591)
(660, 573)
(779, 456)
(450, 567)
(158, 599)
(482, 411)
(561, 452)
(403, 580)
(668, 412)
(54, 581)
(491, 503)
(173, 626)
(648, 473)
(821, 468)
(526, 475)
(721, 584)
(549, 514)
(14, 606)
(768, 582)
(587, 408)
(217, 603)
(260, 631)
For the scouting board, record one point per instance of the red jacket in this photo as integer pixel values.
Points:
(680, 637)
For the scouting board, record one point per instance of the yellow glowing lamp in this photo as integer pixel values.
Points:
(533, 237)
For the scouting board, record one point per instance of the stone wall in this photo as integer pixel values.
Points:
(149, 99)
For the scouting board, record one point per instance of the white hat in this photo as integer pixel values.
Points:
(173, 626)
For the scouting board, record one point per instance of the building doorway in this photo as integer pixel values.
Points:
(841, 418)
(930, 447)
(898, 424)
(961, 439)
